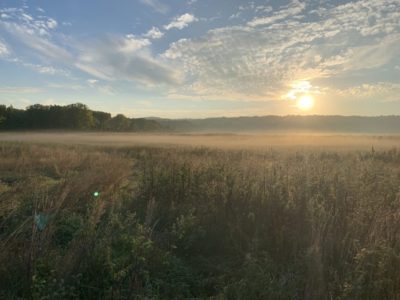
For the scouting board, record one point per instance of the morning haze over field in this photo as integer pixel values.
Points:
(196, 59)
(200, 149)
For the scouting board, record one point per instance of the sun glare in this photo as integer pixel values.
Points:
(305, 102)
(301, 94)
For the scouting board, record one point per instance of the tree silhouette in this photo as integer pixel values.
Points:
(70, 117)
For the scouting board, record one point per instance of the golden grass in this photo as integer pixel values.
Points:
(221, 141)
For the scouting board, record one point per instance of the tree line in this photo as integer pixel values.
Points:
(290, 123)
(70, 117)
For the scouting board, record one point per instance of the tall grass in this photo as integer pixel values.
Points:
(198, 223)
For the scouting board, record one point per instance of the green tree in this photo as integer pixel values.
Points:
(79, 116)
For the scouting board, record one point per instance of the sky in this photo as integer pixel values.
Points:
(203, 58)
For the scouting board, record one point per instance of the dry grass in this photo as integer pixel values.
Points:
(281, 222)
(221, 141)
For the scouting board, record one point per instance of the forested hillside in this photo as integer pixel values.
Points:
(70, 117)
(291, 123)
(79, 117)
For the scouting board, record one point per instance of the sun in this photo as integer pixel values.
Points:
(305, 102)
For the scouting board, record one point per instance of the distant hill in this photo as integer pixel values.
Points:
(316, 123)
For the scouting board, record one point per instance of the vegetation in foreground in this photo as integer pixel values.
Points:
(198, 223)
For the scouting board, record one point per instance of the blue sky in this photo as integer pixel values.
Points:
(202, 58)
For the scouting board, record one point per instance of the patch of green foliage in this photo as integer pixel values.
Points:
(70, 117)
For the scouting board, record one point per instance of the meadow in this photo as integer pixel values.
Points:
(199, 217)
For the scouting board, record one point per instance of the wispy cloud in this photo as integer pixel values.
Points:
(154, 33)
(19, 90)
(92, 81)
(109, 58)
(65, 86)
(117, 58)
(181, 22)
(34, 33)
(101, 87)
(377, 91)
(51, 23)
(131, 44)
(292, 9)
(156, 5)
(4, 51)
(49, 70)
(259, 59)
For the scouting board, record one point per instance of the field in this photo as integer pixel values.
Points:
(298, 141)
(125, 216)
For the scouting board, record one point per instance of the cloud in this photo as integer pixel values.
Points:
(378, 91)
(131, 44)
(36, 41)
(264, 8)
(154, 33)
(181, 22)
(106, 89)
(112, 58)
(260, 59)
(373, 56)
(124, 58)
(19, 90)
(292, 9)
(41, 69)
(93, 70)
(34, 33)
(51, 23)
(65, 86)
(92, 81)
(156, 5)
(49, 70)
(300, 88)
(4, 51)
(102, 88)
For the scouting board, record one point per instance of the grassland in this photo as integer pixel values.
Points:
(282, 218)
(338, 142)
